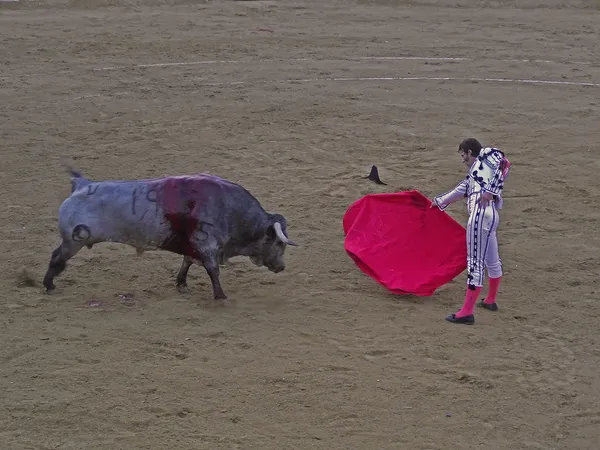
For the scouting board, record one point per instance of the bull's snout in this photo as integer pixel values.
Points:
(277, 269)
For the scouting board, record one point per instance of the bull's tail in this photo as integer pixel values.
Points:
(71, 170)
(77, 179)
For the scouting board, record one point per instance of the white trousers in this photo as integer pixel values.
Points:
(482, 245)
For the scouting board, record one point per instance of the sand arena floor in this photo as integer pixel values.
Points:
(296, 100)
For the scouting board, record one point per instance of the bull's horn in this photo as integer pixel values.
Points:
(282, 237)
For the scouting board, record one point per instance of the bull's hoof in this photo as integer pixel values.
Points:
(222, 301)
(181, 287)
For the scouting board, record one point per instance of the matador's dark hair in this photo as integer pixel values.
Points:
(471, 145)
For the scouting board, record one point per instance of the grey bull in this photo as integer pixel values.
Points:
(205, 218)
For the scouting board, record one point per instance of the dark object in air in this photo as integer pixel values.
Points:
(374, 176)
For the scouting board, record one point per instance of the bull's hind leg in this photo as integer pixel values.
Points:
(183, 272)
(58, 262)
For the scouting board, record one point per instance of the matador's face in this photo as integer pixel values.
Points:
(466, 157)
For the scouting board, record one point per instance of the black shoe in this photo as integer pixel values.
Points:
(467, 320)
(488, 306)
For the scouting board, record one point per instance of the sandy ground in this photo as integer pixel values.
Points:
(273, 95)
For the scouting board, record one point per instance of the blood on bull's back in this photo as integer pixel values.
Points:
(183, 202)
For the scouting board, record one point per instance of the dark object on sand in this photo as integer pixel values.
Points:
(374, 176)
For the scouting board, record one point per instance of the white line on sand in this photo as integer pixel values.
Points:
(360, 58)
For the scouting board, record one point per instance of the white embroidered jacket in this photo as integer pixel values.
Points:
(487, 174)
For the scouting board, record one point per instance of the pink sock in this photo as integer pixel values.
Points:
(494, 285)
(470, 299)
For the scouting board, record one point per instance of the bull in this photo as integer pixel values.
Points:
(204, 218)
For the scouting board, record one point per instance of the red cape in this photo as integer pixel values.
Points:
(403, 244)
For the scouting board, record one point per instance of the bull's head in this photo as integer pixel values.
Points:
(273, 245)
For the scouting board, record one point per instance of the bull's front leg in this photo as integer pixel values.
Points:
(183, 272)
(212, 268)
(208, 249)
(209, 259)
